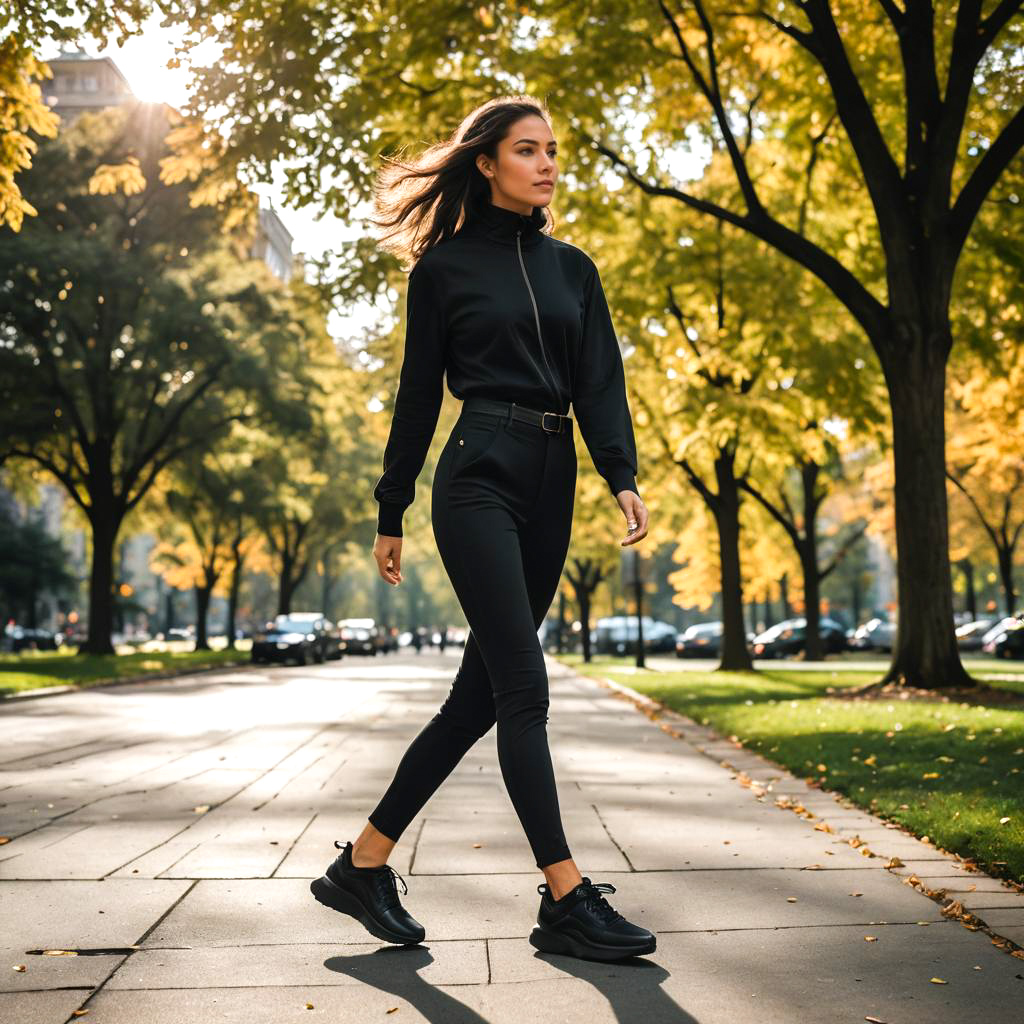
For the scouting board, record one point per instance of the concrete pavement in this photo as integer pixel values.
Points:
(167, 832)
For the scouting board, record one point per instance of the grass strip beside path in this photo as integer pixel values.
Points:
(948, 769)
(31, 670)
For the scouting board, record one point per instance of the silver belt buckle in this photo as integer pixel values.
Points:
(557, 429)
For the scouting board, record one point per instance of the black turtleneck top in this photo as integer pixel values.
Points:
(474, 303)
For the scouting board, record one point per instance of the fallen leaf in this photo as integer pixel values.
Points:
(476, 846)
(201, 809)
(875, 1020)
(930, 775)
(938, 981)
(870, 938)
(791, 899)
(309, 1006)
(4, 839)
(1003, 821)
(19, 967)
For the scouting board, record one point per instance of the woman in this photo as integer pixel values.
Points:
(519, 322)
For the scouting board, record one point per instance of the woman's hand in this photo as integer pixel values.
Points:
(636, 514)
(388, 552)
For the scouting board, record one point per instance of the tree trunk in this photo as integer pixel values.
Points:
(203, 594)
(726, 510)
(814, 649)
(1006, 577)
(233, 591)
(583, 599)
(970, 593)
(105, 524)
(638, 598)
(925, 653)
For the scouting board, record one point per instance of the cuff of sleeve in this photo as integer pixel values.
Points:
(621, 478)
(389, 519)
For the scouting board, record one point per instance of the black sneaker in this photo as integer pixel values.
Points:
(583, 923)
(369, 895)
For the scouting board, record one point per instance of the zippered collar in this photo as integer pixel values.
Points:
(500, 224)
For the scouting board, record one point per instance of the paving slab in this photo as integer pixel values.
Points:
(169, 832)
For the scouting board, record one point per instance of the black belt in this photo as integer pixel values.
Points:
(550, 422)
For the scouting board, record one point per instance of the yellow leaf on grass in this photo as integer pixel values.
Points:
(1003, 821)
(930, 775)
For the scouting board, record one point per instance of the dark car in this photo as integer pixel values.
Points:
(299, 637)
(617, 634)
(360, 636)
(701, 640)
(334, 645)
(24, 638)
(971, 635)
(874, 635)
(1009, 642)
(787, 638)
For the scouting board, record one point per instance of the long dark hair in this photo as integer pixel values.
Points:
(424, 201)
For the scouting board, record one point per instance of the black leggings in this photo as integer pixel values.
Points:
(501, 506)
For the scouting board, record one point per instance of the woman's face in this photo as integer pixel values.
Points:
(527, 157)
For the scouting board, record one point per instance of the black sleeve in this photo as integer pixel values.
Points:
(417, 403)
(600, 390)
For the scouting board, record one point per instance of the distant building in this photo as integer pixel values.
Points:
(83, 83)
(273, 244)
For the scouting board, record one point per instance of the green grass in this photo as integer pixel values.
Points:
(948, 770)
(30, 670)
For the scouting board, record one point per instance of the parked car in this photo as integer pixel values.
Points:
(970, 635)
(701, 640)
(874, 635)
(617, 634)
(360, 636)
(334, 644)
(999, 627)
(1008, 639)
(787, 638)
(26, 638)
(297, 636)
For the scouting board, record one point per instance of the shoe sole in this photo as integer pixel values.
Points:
(559, 942)
(330, 895)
